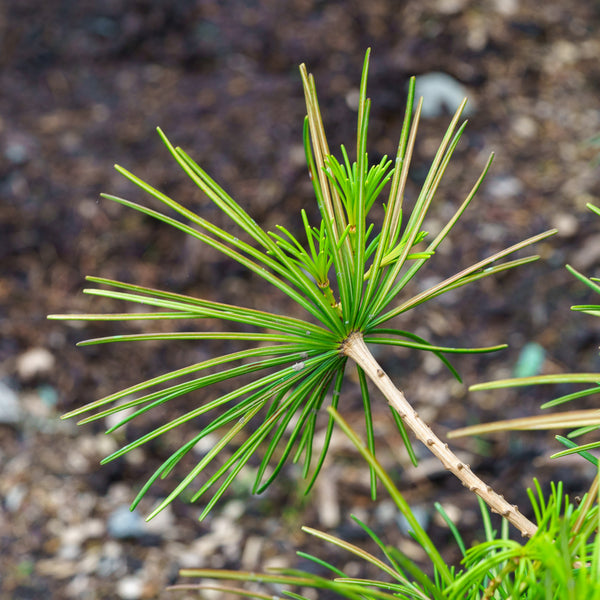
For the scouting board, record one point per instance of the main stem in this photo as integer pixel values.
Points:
(354, 347)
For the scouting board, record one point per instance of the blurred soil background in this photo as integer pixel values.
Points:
(83, 86)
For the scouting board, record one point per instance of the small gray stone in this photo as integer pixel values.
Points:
(505, 186)
(14, 497)
(10, 407)
(440, 93)
(16, 153)
(421, 514)
(123, 523)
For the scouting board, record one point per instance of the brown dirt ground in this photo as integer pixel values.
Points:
(84, 84)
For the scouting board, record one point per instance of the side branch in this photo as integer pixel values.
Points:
(355, 348)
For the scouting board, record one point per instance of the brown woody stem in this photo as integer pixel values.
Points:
(355, 348)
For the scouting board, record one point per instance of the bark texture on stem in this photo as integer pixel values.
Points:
(355, 348)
